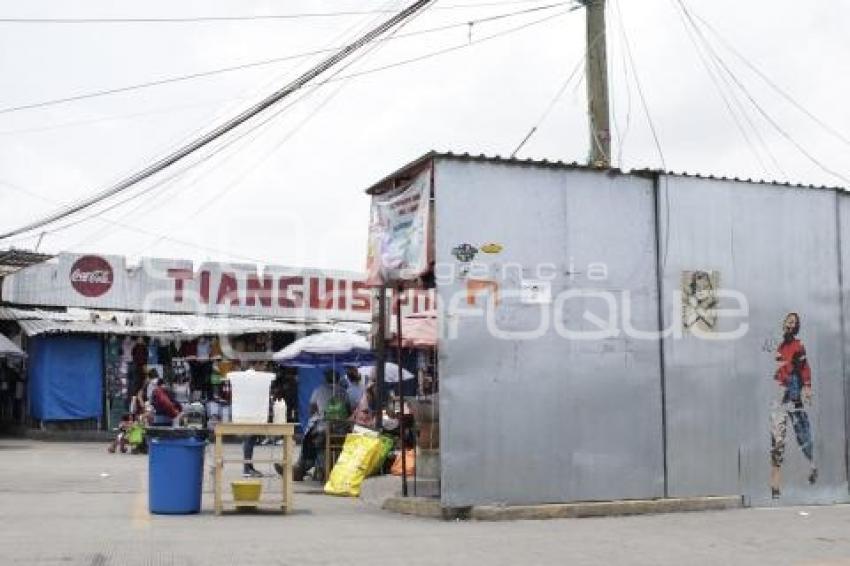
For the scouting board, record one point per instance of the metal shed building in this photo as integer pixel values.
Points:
(609, 335)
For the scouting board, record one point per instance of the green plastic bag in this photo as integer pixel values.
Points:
(387, 444)
(336, 410)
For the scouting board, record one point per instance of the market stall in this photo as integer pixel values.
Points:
(12, 382)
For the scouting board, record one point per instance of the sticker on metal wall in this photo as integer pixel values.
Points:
(464, 252)
(535, 292)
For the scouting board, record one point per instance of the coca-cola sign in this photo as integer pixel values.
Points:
(91, 276)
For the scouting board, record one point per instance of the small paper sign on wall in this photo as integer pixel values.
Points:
(535, 292)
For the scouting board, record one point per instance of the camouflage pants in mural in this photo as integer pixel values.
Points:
(782, 412)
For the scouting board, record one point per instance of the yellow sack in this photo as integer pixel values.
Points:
(358, 457)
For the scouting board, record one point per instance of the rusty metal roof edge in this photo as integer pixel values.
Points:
(418, 162)
(644, 172)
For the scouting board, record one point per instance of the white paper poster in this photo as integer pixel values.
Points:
(398, 232)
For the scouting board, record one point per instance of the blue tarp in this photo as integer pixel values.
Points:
(309, 378)
(65, 377)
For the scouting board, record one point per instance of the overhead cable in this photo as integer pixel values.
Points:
(772, 84)
(253, 17)
(326, 81)
(770, 120)
(716, 76)
(558, 94)
(260, 63)
(229, 125)
(264, 125)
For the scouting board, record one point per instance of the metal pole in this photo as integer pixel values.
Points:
(597, 85)
(380, 357)
(401, 430)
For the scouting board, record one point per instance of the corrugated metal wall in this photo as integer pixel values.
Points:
(554, 419)
(547, 419)
(844, 248)
(777, 246)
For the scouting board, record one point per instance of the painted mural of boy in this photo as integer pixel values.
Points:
(794, 377)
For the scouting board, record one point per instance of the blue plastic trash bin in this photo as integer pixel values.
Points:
(175, 475)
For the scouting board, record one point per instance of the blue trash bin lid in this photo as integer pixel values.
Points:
(178, 441)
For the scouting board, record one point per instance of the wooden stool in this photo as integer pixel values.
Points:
(334, 441)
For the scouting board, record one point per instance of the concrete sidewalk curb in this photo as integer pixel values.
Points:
(431, 508)
(425, 507)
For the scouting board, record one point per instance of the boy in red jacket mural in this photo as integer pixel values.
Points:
(794, 378)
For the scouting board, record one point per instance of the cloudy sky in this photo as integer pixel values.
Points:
(290, 190)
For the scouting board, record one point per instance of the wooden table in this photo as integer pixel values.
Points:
(285, 431)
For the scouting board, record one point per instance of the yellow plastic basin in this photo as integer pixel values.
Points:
(246, 491)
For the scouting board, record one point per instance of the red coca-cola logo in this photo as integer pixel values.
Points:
(91, 276)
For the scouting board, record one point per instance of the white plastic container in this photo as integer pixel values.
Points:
(279, 412)
(249, 391)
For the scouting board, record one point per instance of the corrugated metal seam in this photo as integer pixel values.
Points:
(407, 170)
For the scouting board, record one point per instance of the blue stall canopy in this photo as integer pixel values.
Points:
(326, 349)
(314, 354)
(65, 377)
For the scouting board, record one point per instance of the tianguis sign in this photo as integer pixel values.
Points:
(179, 286)
(91, 276)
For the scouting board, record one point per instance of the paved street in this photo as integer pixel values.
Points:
(74, 504)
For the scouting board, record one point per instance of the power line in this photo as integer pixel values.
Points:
(784, 133)
(256, 127)
(268, 120)
(779, 90)
(717, 85)
(259, 163)
(229, 125)
(115, 117)
(648, 114)
(456, 47)
(255, 17)
(622, 135)
(554, 101)
(326, 81)
(260, 63)
(122, 225)
(351, 32)
(640, 86)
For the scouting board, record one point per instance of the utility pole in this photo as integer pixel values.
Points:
(597, 85)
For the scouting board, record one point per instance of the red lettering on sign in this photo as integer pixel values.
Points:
(404, 300)
(288, 297)
(324, 300)
(179, 276)
(257, 290)
(342, 286)
(361, 300)
(204, 290)
(228, 290)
